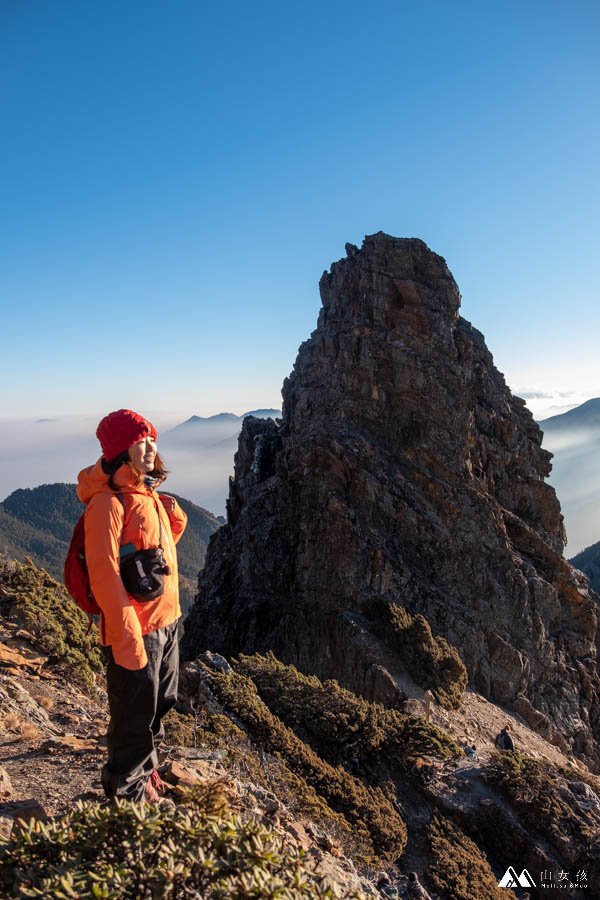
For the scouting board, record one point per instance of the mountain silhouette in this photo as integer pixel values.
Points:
(573, 438)
(587, 415)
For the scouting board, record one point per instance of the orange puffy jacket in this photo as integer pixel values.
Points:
(110, 524)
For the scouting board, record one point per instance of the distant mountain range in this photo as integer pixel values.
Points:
(585, 416)
(588, 561)
(38, 522)
(573, 438)
(198, 452)
(219, 431)
(225, 418)
(581, 428)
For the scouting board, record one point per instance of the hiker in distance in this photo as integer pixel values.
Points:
(130, 536)
(504, 739)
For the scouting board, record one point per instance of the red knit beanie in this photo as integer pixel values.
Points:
(119, 430)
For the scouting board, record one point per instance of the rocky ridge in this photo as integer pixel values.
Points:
(403, 474)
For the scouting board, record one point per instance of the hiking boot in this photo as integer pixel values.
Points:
(153, 785)
(157, 783)
(151, 795)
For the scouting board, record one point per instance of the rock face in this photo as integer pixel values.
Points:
(403, 472)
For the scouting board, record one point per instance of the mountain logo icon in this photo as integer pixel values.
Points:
(511, 879)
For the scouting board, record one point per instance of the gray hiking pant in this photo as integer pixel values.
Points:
(138, 701)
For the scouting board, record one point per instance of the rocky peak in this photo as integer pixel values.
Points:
(403, 474)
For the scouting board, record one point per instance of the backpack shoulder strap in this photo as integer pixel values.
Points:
(122, 502)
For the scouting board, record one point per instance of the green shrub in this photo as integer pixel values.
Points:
(197, 849)
(180, 730)
(366, 808)
(459, 870)
(536, 791)
(430, 661)
(247, 760)
(339, 725)
(525, 781)
(60, 628)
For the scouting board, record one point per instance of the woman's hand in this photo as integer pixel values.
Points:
(167, 502)
(177, 517)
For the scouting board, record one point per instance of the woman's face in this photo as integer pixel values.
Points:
(143, 454)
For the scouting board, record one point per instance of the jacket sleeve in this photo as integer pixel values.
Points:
(177, 517)
(103, 526)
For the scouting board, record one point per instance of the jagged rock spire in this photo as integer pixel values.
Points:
(403, 472)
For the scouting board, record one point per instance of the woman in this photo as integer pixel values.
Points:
(124, 515)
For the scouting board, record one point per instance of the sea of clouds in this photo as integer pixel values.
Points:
(44, 451)
(200, 457)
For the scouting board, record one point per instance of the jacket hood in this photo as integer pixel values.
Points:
(94, 480)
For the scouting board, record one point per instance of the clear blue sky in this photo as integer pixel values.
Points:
(176, 176)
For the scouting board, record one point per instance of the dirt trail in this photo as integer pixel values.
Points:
(478, 722)
(52, 735)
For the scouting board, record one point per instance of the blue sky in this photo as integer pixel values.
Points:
(177, 175)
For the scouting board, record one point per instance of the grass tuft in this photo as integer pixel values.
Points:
(339, 725)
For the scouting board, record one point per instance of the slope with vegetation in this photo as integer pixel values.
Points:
(303, 788)
(60, 630)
